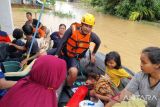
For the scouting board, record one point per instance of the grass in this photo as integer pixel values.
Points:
(33, 10)
(63, 15)
(56, 13)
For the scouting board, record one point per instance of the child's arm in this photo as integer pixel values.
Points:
(5, 84)
(104, 98)
(40, 53)
(23, 48)
(101, 97)
(124, 94)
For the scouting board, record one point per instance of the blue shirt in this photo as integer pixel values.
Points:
(2, 33)
(56, 39)
(13, 52)
(2, 92)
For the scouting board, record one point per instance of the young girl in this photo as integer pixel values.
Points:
(147, 82)
(114, 69)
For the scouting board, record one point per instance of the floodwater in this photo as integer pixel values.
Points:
(126, 37)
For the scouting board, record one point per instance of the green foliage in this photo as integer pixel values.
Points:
(63, 15)
(123, 8)
(157, 9)
(131, 9)
(97, 2)
(52, 2)
(86, 1)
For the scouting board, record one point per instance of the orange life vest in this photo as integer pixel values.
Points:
(77, 43)
(40, 31)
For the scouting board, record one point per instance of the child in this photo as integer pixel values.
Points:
(147, 82)
(28, 31)
(114, 69)
(98, 88)
(16, 54)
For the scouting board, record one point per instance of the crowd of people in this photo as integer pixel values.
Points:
(60, 64)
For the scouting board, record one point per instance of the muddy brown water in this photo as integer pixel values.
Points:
(126, 37)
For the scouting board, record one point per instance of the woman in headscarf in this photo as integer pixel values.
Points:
(39, 88)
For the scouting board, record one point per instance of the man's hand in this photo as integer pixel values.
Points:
(24, 62)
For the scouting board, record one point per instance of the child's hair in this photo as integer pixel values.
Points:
(17, 33)
(92, 71)
(113, 55)
(27, 29)
(153, 54)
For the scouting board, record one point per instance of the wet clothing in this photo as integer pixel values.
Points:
(39, 88)
(116, 75)
(4, 37)
(140, 83)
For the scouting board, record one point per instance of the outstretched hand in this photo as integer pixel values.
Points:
(24, 62)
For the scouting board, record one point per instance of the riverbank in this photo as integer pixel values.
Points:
(28, 6)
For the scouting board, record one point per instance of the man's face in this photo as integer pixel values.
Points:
(86, 28)
(29, 17)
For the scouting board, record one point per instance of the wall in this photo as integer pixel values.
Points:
(6, 21)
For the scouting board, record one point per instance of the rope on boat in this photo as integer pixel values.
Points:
(42, 9)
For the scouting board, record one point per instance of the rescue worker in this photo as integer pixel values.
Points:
(75, 43)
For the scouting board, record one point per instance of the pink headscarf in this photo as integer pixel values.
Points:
(38, 89)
